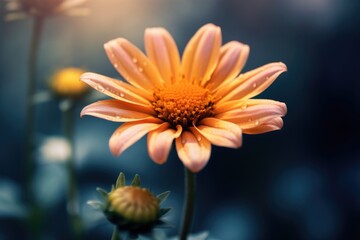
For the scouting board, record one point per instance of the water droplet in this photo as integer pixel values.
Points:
(140, 69)
(117, 117)
(115, 65)
(257, 122)
(254, 85)
(244, 106)
(267, 77)
(122, 94)
(100, 88)
(199, 138)
(134, 60)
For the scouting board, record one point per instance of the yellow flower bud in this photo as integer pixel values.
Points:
(134, 204)
(66, 82)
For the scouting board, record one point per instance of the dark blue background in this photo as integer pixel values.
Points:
(302, 182)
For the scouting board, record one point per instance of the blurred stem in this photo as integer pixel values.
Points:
(190, 189)
(35, 212)
(115, 234)
(72, 191)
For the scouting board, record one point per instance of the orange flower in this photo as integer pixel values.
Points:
(198, 101)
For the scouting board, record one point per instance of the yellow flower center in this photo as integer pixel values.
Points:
(183, 103)
(135, 204)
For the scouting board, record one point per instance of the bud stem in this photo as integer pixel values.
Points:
(115, 234)
(72, 191)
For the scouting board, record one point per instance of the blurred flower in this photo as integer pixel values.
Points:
(198, 102)
(55, 149)
(132, 208)
(66, 83)
(18, 9)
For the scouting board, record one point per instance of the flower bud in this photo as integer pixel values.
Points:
(132, 209)
(66, 83)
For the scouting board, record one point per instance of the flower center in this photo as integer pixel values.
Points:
(183, 103)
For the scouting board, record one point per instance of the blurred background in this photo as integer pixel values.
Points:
(302, 182)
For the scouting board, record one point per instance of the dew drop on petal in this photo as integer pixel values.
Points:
(115, 65)
(100, 88)
(257, 122)
(199, 138)
(140, 69)
(254, 85)
(243, 106)
(122, 94)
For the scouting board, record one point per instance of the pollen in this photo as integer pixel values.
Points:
(183, 103)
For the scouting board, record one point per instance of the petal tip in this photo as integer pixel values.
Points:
(282, 66)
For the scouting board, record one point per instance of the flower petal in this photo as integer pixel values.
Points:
(163, 52)
(160, 141)
(220, 133)
(268, 126)
(254, 113)
(252, 83)
(133, 65)
(117, 111)
(129, 133)
(251, 108)
(193, 150)
(116, 89)
(233, 56)
(201, 54)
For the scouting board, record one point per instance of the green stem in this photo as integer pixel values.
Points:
(72, 191)
(115, 234)
(35, 214)
(190, 189)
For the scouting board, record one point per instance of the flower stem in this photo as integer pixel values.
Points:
(190, 189)
(72, 191)
(35, 213)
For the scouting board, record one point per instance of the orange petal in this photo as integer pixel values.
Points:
(160, 141)
(271, 125)
(233, 56)
(220, 133)
(193, 150)
(117, 111)
(129, 133)
(133, 65)
(253, 109)
(201, 54)
(254, 113)
(116, 89)
(252, 83)
(163, 52)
